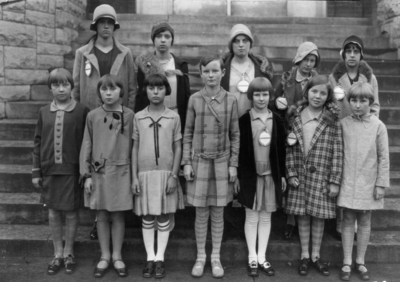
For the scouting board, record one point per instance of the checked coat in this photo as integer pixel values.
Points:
(321, 166)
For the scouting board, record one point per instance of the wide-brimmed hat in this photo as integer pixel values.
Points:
(355, 40)
(305, 49)
(239, 29)
(104, 11)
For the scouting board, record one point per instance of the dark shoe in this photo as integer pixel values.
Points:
(99, 272)
(70, 264)
(122, 272)
(148, 271)
(303, 268)
(289, 231)
(252, 269)
(54, 265)
(364, 275)
(321, 267)
(266, 268)
(160, 270)
(345, 275)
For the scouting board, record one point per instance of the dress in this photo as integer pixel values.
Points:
(106, 157)
(58, 138)
(210, 146)
(153, 171)
(366, 162)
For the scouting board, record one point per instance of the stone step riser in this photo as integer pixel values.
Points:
(390, 116)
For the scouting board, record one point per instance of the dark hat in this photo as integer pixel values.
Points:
(156, 29)
(355, 40)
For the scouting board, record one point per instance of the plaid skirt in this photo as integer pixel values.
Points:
(211, 186)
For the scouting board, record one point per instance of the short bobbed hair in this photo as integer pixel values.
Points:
(260, 84)
(361, 90)
(110, 80)
(320, 80)
(60, 75)
(157, 79)
(208, 59)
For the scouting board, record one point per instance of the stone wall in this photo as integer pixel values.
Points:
(388, 17)
(34, 37)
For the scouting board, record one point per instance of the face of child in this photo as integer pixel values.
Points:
(359, 106)
(260, 99)
(105, 27)
(163, 41)
(212, 73)
(110, 94)
(317, 96)
(352, 55)
(307, 64)
(156, 94)
(61, 91)
(241, 46)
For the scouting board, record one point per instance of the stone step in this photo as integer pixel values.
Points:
(17, 129)
(389, 97)
(16, 152)
(394, 134)
(23, 110)
(25, 208)
(390, 115)
(35, 241)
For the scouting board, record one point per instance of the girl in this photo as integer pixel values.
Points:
(105, 164)
(366, 159)
(261, 171)
(210, 159)
(58, 137)
(155, 170)
(290, 87)
(103, 55)
(314, 168)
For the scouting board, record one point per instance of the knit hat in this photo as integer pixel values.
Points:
(355, 40)
(104, 11)
(239, 29)
(156, 29)
(305, 49)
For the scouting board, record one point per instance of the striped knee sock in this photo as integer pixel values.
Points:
(162, 239)
(318, 225)
(304, 233)
(217, 230)
(148, 238)
(200, 227)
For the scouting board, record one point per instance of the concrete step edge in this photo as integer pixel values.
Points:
(15, 169)
(15, 143)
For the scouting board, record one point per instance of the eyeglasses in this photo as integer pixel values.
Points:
(58, 85)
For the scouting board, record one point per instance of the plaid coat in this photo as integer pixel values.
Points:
(321, 166)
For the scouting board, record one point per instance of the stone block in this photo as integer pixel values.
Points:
(19, 58)
(76, 11)
(52, 7)
(259, 8)
(14, 93)
(80, 3)
(25, 77)
(16, 34)
(13, 17)
(39, 18)
(194, 7)
(38, 5)
(1, 61)
(45, 34)
(64, 19)
(1, 12)
(2, 110)
(2, 80)
(41, 93)
(61, 4)
(60, 37)
(15, 7)
(52, 49)
(48, 61)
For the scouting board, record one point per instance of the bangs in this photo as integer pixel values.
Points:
(361, 90)
(58, 76)
(260, 84)
(110, 80)
(156, 80)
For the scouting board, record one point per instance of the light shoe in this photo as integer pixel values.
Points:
(198, 268)
(217, 269)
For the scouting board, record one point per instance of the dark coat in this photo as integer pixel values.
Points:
(247, 164)
(182, 95)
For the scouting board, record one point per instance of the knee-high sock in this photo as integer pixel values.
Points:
(250, 231)
(304, 233)
(363, 234)
(71, 226)
(316, 235)
(162, 239)
(56, 231)
(148, 238)
(264, 230)
(349, 218)
(217, 230)
(200, 228)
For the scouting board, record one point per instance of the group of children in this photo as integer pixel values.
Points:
(128, 161)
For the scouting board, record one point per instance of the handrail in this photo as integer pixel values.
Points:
(5, 2)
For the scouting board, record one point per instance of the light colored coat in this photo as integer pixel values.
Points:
(366, 162)
(85, 89)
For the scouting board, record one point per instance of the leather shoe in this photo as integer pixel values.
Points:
(122, 271)
(303, 268)
(54, 265)
(252, 269)
(148, 271)
(160, 270)
(364, 275)
(267, 269)
(345, 275)
(99, 272)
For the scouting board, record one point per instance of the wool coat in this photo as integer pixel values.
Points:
(247, 164)
(182, 93)
(339, 77)
(316, 170)
(85, 89)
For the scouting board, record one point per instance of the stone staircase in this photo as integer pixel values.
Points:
(23, 221)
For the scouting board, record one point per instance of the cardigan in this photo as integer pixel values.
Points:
(247, 166)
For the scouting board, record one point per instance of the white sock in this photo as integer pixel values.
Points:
(250, 231)
(148, 238)
(162, 241)
(264, 230)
